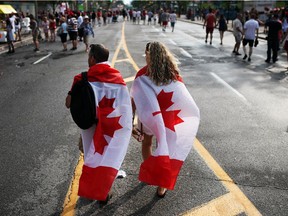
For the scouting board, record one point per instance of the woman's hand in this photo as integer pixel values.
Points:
(136, 133)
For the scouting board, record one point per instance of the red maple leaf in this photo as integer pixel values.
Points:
(170, 118)
(106, 125)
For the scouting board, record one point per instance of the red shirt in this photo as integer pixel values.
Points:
(210, 18)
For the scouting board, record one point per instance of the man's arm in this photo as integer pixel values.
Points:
(68, 101)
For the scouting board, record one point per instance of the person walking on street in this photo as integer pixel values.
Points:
(173, 18)
(250, 28)
(73, 32)
(35, 32)
(10, 36)
(106, 142)
(63, 33)
(18, 27)
(80, 31)
(52, 28)
(210, 20)
(165, 19)
(222, 27)
(158, 89)
(273, 38)
(45, 26)
(238, 33)
(87, 31)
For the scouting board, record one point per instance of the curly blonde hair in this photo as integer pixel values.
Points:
(162, 67)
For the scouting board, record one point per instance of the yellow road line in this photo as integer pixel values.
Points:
(218, 207)
(123, 60)
(250, 209)
(72, 197)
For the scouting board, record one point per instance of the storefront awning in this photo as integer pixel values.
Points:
(7, 9)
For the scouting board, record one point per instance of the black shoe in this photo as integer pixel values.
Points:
(237, 53)
(233, 51)
(275, 60)
(245, 56)
(210, 42)
(205, 41)
(249, 59)
(267, 61)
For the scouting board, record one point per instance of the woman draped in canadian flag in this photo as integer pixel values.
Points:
(167, 111)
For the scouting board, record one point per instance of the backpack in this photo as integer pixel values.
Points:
(83, 108)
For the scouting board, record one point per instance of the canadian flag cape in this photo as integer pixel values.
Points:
(171, 115)
(105, 145)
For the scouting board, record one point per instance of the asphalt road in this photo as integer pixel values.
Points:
(243, 128)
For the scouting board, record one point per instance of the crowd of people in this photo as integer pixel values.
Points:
(246, 31)
(79, 26)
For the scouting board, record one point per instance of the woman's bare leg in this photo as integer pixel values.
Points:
(146, 146)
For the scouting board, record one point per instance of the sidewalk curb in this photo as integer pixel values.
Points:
(26, 41)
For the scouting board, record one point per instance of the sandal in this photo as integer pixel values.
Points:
(103, 203)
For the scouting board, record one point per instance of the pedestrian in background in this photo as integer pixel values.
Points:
(238, 33)
(165, 19)
(52, 28)
(210, 20)
(285, 42)
(79, 22)
(222, 27)
(173, 18)
(35, 32)
(93, 17)
(45, 26)
(251, 27)
(10, 36)
(87, 31)
(273, 38)
(18, 27)
(63, 33)
(167, 111)
(73, 32)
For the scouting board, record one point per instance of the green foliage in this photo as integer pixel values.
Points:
(280, 4)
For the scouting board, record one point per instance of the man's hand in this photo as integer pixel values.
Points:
(68, 101)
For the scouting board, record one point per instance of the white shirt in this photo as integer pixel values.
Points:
(250, 27)
(138, 14)
(12, 20)
(79, 20)
(173, 17)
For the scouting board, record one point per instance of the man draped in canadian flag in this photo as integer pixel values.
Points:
(166, 110)
(106, 143)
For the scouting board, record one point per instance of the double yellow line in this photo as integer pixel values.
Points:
(233, 203)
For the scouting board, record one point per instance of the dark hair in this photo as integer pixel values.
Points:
(99, 52)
